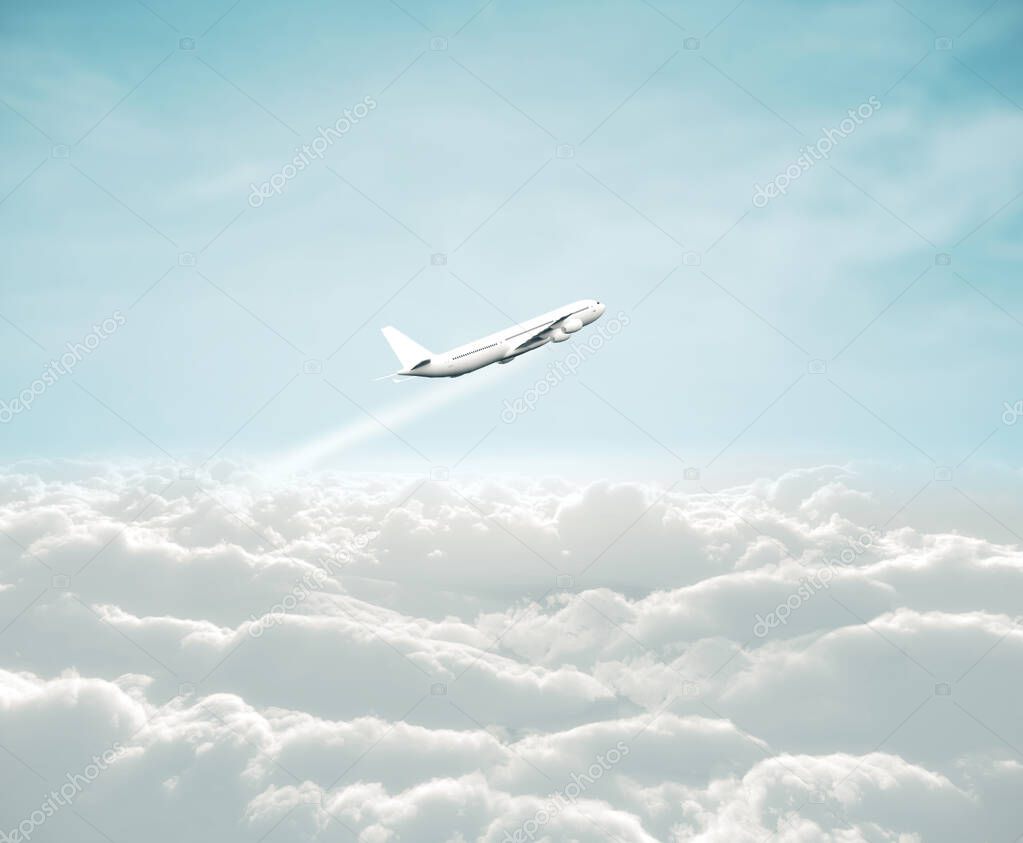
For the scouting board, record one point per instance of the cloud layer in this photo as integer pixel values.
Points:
(210, 657)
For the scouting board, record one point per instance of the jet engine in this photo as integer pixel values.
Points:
(572, 325)
(569, 326)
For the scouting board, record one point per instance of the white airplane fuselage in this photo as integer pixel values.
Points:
(499, 347)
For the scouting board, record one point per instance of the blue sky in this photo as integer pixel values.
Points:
(651, 213)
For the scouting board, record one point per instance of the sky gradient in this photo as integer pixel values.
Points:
(672, 115)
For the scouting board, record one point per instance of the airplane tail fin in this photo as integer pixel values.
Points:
(408, 351)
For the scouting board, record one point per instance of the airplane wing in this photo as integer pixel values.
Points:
(542, 333)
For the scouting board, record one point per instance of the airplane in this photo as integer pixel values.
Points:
(501, 347)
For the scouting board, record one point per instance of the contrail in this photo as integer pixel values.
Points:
(383, 421)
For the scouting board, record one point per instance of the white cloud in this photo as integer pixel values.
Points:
(444, 684)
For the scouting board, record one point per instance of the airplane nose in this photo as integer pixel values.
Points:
(600, 309)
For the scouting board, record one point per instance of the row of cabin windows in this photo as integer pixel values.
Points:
(467, 353)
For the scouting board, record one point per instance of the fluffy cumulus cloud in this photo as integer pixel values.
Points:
(379, 659)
